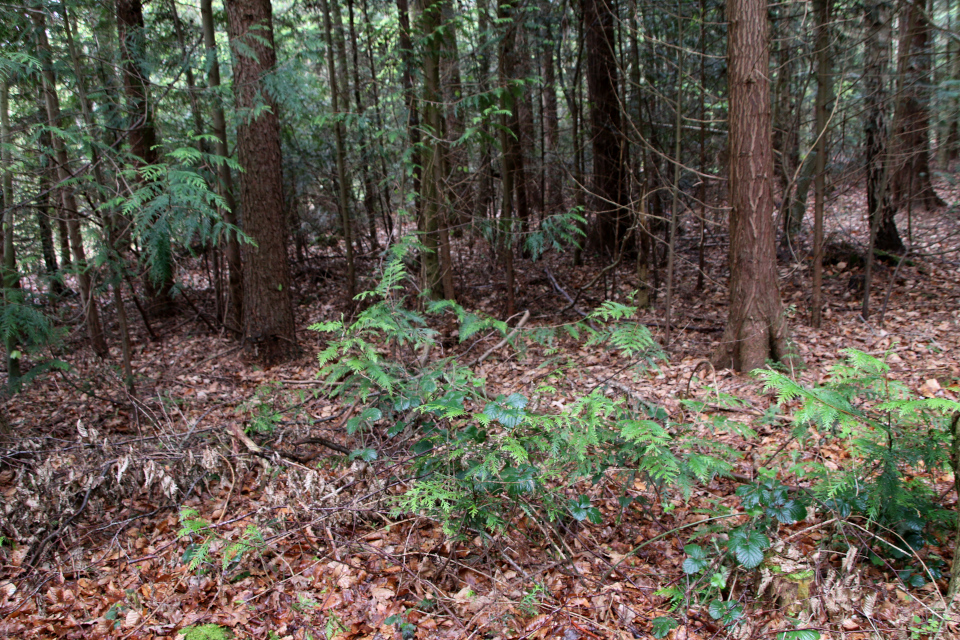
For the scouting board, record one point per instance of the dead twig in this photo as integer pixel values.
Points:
(486, 354)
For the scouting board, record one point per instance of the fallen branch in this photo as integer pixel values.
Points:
(329, 444)
(486, 354)
(573, 303)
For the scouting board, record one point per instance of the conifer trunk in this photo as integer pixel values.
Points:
(553, 180)
(234, 308)
(608, 180)
(911, 180)
(343, 193)
(11, 279)
(366, 162)
(158, 282)
(436, 260)
(756, 330)
(269, 327)
(91, 310)
(823, 9)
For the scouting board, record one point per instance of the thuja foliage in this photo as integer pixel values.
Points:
(895, 440)
(173, 200)
(205, 540)
(477, 462)
(23, 323)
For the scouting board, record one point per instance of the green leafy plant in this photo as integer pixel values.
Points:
(407, 630)
(890, 433)
(735, 549)
(478, 462)
(30, 331)
(202, 537)
(663, 625)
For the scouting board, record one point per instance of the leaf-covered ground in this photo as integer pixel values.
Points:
(95, 480)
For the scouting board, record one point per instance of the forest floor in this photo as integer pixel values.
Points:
(337, 561)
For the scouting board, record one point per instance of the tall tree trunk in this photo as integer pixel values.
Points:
(269, 325)
(342, 80)
(573, 94)
(63, 233)
(386, 204)
(912, 179)
(513, 187)
(644, 253)
(553, 178)
(110, 217)
(786, 124)
(702, 133)
(409, 96)
(952, 146)
(527, 142)
(483, 194)
(456, 161)
(435, 261)
(47, 247)
(89, 300)
(756, 330)
(880, 207)
(366, 160)
(234, 307)
(823, 10)
(11, 278)
(511, 138)
(143, 140)
(675, 205)
(343, 194)
(608, 180)
(192, 94)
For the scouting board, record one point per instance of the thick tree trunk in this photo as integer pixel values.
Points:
(876, 64)
(608, 181)
(269, 326)
(911, 178)
(756, 330)
(143, 139)
(234, 308)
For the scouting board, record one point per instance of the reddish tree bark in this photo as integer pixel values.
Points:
(756, 330)
(911, 178)
(608, 182)
(269, 328)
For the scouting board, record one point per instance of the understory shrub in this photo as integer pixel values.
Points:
(475, 462)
